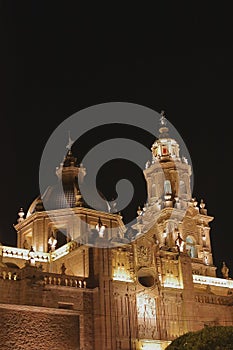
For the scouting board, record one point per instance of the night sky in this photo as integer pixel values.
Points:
(58, 58)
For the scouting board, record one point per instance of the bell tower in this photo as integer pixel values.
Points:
(168, 177)
(172, 216)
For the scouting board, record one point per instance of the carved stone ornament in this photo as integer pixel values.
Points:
(144, 254)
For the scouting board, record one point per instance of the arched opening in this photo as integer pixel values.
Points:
(191, 247)
(167, 187)
(61, 236)
(57, 238)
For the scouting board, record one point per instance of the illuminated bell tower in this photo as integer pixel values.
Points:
(180, 222)
(168, 177)
(172, 244)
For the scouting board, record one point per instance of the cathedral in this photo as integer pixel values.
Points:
(79, 279)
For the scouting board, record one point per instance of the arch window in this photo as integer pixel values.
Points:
(167, 187)
(191, 247)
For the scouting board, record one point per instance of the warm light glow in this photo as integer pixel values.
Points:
(153, 345)
(213, 281)
(146, 315)
(146, 306)
(172, 282)
(150, 346)
(52, 243)
(121, 274)
(58, 253)
(100, 228)
(20, 253)
(101, 231)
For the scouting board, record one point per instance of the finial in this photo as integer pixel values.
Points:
(70, 142)
(202, 207)
(202, 204)
(225, 270)
(21, 215)
(163, 120)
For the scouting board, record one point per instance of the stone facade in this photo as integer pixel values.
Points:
(24, 327)
(78, 279)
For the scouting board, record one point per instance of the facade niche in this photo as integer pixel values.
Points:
(191, 247)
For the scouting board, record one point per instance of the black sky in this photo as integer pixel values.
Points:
(58, 58)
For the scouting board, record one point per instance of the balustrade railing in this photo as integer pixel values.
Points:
(63, 280)
(213, 281)
(65, 249)
(9, 274)
(48, 278)
(20, 253)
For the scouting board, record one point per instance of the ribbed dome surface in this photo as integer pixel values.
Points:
(61, 196)
(65, 193)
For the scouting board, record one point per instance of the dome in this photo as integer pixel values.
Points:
(65, 193)
(61, 196)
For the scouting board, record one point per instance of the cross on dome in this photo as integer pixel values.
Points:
(70, 143)
(163, 120)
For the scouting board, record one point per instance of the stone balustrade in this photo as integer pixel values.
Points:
(63, 280)
(213, 281)
(48, 278)
(65, 249)
(9, 274)
(20, 253)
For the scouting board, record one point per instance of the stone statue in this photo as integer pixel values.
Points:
(225, 270)
(25, 244)
(63, 269)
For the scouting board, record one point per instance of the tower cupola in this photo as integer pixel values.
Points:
(164, 148)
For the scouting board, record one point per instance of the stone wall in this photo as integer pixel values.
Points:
(213, 314)
(24, 328)
(9, 291)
